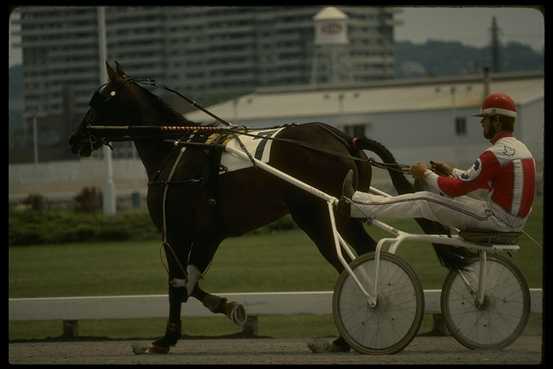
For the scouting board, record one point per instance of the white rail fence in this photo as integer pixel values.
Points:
(72, 309)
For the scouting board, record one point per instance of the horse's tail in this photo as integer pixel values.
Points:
(449, 256)
(401, 184)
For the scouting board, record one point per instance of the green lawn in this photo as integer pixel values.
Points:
(282, 261)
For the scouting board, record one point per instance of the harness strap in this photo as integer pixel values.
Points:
(187, 99)
(388, 166)
(234, 131)
(164, 216)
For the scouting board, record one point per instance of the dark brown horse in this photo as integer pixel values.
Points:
(202, 209)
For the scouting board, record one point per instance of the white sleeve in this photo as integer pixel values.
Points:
(431, 179)
(457, 173)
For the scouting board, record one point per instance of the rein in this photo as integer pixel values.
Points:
(400, 168)
(130, 132)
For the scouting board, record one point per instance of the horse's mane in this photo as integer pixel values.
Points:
(172, 116)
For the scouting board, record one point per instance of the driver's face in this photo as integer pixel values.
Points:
(487, 127)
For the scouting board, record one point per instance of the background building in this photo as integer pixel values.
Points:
(417, 120)
(209, 53)
(250, 65)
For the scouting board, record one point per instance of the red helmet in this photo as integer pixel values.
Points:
(498, 103)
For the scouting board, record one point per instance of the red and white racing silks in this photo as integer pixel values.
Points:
(506, 169)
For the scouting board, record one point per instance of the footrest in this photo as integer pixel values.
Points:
(489, 238)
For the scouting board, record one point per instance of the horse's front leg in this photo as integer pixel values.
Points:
(177, 295)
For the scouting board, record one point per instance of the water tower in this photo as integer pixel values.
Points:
(331, 53)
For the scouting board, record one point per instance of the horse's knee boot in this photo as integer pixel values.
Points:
(192, 277)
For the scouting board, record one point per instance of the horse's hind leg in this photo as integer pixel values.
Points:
(313, 218)
(201, 255)
(220, 305)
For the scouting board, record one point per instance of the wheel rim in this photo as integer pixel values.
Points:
(499, 319)
(391, 320)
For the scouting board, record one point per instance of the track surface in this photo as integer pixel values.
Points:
(422, 350)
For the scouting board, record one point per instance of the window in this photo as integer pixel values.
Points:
(461, 126)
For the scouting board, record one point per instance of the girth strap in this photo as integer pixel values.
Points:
(164, 215)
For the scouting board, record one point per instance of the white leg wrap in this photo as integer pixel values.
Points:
(192, 278)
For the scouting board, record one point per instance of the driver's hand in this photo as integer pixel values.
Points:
(418, 170)
(441, 168)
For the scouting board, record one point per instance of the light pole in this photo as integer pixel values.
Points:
(35, 140)
(109, 187)
(35, 115)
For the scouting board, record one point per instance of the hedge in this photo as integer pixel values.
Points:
(31, 227)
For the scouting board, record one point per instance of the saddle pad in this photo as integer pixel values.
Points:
(488, 238)
(259, 147)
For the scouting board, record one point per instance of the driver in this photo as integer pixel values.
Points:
(506, 169)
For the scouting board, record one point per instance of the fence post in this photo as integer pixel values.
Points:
(250, 327)
(70, 328)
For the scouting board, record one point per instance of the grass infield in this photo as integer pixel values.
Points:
(281, 261)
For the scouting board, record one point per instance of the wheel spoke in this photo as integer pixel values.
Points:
(500, 320)
(384, 328)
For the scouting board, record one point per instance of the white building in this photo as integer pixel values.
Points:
(418, 120)
(208, 50)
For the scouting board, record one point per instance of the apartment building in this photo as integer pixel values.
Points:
(208, 53)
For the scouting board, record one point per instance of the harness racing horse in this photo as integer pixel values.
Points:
(196, 210)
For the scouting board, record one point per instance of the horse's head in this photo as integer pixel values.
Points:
(107, 105)
(121, 101)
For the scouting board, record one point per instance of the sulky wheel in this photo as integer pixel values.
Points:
(388, 327)
(504, 313)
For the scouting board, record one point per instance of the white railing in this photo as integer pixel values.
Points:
(157, 306)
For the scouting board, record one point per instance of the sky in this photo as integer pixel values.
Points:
(469, 25)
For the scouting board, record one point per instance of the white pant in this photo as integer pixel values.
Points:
(460, 212)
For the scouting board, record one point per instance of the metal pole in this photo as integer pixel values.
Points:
(35, 139)
(454, 105)
(109, 201)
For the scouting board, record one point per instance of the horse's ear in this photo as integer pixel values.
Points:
(120, 70)
(111, 73)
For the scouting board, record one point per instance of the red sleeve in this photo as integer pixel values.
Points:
(483, 169)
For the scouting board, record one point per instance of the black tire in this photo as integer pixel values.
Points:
(505, 312)
(399, 310)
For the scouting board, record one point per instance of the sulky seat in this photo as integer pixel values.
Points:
(488, 238)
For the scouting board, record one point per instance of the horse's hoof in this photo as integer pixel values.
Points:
(239, 315)
(318, 347)
(145, 350)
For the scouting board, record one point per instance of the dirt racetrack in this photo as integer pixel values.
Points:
(422, 350)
